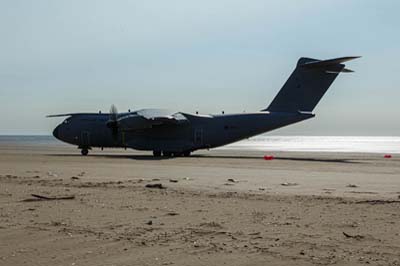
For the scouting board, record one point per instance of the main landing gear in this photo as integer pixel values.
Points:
(84, 151)
(171, 154)
(157, 153)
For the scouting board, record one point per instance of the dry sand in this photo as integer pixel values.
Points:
(200, 218)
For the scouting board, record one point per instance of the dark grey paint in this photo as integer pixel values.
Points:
(161, 130)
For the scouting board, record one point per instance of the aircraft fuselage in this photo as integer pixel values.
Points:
(202, 132)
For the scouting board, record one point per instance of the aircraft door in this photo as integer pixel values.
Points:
(85, 139)
(198, 136)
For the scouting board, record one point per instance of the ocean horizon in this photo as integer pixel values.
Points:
(353, 144)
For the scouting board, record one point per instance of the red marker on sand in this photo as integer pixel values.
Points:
(387, 156)
(268, 157)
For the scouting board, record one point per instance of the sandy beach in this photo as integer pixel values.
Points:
(214, 208)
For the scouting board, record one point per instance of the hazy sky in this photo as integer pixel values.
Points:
(71, 56)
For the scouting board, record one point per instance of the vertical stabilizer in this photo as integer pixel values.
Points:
(307, 84)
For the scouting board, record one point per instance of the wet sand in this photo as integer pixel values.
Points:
(217, 207)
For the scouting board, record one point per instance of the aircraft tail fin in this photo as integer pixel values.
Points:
(307, 84)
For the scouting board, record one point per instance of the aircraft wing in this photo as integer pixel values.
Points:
(142, 119)
(148, 118)
(162, 116)
(71, 114)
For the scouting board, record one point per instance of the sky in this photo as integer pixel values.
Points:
(206, 56)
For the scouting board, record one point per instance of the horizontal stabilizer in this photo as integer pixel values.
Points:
(344, 70)
(330, 66)
(323, 63)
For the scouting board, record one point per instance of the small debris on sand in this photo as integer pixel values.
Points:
(211, 224)
(42, 198)
(74, 177)
(351, 185)
(361, 192)
(287, 184)
(375, 202)
(172, 213)
(358, 237)
(232, 180)
(35, 171)
(149, 222)
(158, 185)
(173, 180)
(49, 173)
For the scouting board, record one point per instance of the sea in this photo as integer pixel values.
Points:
(352, 144)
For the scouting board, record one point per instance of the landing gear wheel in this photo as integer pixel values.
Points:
(84, 151)
(186, 153)
(156, 153)
(167, 153)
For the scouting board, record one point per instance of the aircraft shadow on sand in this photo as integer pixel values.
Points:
(149, 157)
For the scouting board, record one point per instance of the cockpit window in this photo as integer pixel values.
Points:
(66, 121)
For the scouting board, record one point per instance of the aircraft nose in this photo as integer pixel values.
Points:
(56, 132)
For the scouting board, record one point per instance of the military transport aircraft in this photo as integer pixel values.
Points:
(168, 133)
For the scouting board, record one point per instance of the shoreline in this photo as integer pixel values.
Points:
(268, 144)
